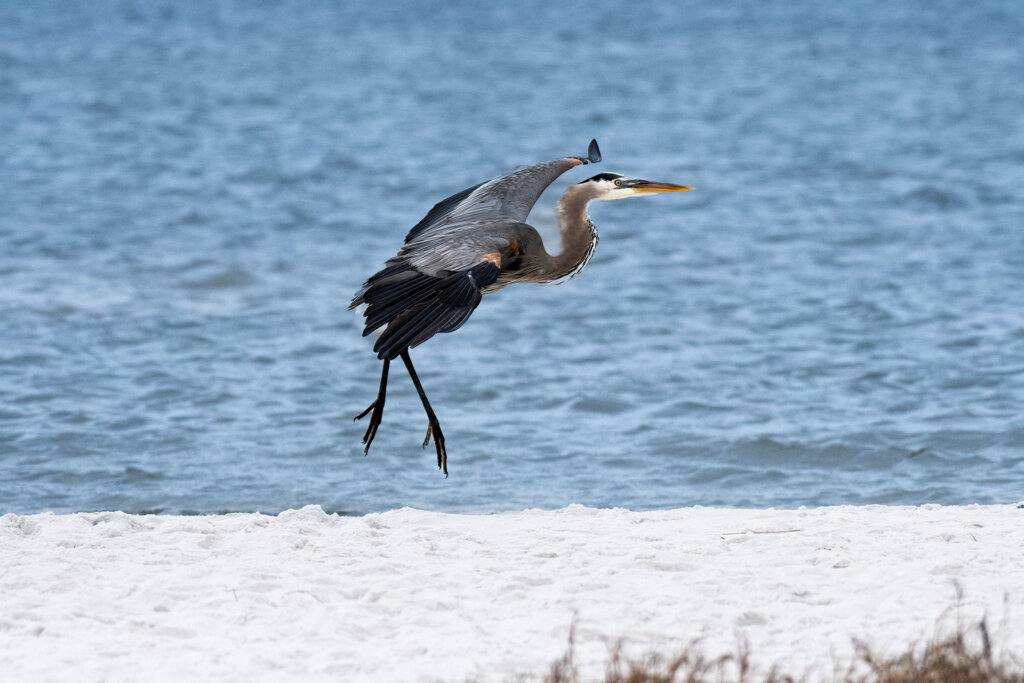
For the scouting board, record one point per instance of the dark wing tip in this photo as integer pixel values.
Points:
(593, 154)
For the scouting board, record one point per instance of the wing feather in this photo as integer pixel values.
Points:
(437, 304)
(510, 197)
(441, 211)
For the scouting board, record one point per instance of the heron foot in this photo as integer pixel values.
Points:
(377, 408)
(363, 414)
(434, 431)
(371, 429)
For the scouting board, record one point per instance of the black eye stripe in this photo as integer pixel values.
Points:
(604, 176)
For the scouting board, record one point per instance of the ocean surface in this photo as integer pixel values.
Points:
(190, 192)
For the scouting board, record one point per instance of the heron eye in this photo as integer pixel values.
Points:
(617, 183)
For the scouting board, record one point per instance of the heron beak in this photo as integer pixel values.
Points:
(651, 187)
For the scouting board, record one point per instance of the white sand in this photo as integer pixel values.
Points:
(417, 596)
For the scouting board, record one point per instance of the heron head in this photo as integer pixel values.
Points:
(617, 186)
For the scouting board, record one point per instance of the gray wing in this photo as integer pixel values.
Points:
(510, 196)
(461, 229)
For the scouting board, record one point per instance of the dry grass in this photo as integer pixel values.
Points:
(958, 659)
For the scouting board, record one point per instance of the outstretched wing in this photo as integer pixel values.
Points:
(510, 196)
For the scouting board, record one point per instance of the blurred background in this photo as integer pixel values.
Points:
(192, 191)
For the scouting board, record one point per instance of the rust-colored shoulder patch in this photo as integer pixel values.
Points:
(513, 248)
(494, 257)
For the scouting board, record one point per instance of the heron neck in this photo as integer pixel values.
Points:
(579, 236)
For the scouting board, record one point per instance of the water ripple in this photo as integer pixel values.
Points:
(195, 193)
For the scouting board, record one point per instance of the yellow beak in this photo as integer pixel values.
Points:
(651, 187)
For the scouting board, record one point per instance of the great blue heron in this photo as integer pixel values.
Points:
(473, 243)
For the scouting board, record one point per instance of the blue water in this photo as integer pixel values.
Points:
(191, 192)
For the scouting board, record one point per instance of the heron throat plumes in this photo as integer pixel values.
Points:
(579, 235)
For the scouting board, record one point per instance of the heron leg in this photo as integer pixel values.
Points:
(434, 427)
(377, 407)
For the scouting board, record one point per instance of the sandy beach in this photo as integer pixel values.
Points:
(195, 191)
(409, 595)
